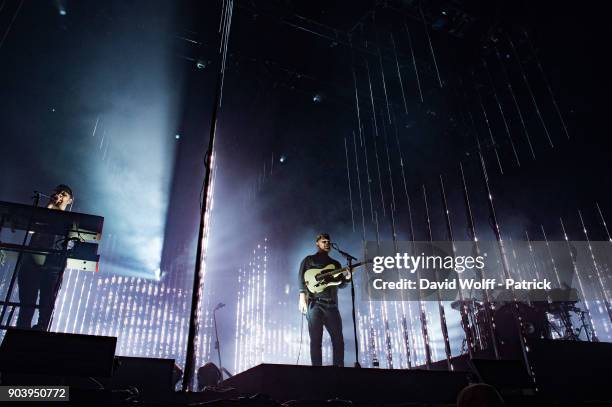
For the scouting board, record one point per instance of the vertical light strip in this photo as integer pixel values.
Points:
(265, 277)
(62, 294)
(72, 299)
(92, 326)
(102, 290)
(86, 314)
(237, 328)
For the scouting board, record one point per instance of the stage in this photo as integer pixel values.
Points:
(202, 198)
(565, 373)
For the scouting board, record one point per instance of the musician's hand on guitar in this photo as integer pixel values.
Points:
(303, 304)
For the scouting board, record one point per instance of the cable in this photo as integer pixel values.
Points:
(100, 385)
(301, 340)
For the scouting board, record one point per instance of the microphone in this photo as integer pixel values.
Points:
(219, 305)
(41, 194)
(345, 254)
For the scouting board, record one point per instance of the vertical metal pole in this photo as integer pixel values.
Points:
(190, 358)
(198, 273)
(217, 343)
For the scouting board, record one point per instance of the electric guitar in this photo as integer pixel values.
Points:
(317, 280)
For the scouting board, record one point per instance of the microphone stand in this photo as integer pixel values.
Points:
(349, 260)
(217, 346)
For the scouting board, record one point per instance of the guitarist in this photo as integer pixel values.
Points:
(321, 309)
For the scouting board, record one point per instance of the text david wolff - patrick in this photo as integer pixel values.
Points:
(464, 284)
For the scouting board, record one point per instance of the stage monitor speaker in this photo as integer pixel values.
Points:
(509, 377)
(572, 370)
(56, 354)
(361, 386)
(154, 378)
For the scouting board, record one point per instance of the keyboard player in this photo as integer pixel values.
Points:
(38, 273)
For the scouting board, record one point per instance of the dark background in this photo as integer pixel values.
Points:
(133, 64)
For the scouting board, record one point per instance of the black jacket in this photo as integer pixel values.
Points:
(318, 261)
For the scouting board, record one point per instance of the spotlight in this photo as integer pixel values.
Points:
(282, 159)
(62, 12)
(317, 98)
(177, 136)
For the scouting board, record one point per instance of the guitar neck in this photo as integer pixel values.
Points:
(343, 269)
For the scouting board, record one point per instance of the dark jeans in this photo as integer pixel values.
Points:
(31, 279)
(321, 315)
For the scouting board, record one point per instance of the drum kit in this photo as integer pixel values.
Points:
(496, 321)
